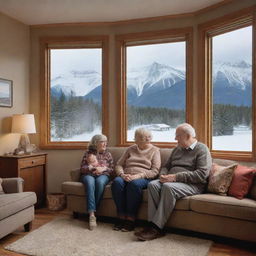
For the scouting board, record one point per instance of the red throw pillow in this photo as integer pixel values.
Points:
(241, 181)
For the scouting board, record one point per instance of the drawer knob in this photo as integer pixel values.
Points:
(33, 161)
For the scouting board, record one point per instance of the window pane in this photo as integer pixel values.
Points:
(156, 89)
(232, 90)
(75, 95)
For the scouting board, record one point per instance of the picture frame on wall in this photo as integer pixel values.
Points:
(6, 91)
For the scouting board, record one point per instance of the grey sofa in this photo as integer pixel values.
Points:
(207, 213)
(16, 207)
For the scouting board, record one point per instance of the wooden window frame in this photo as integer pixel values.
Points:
(231, 22)
(48, 43)
(172, 35)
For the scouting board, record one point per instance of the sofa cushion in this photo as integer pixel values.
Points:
(1, 188)
(73, 188)
(241, 181)
(15, 202)
(224, 206)
(223, 162)
(78, 188)
(220, 178)
(165, 154)
(116, 152)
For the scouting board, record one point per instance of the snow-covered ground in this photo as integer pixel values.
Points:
(82, 137)
(239, 141)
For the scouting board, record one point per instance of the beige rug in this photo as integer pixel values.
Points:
(70, 237)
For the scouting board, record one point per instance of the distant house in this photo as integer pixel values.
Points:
(158, 127)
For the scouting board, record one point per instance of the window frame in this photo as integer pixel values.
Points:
(48, 43)
(124, 40)
(228, 23)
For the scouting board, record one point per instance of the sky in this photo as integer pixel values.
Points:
(232, 46)
(63, 61)
(235, 45)
(172, 54)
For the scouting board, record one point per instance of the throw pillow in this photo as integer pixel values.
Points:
(220, 178)
(1, 188)
(252, 192)
(241, 182)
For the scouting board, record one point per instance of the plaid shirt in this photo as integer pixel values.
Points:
(104, 159)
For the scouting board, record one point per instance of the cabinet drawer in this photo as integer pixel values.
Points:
(30, 162)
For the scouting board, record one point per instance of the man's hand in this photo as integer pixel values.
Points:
(167, 178)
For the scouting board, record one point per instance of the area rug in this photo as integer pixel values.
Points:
(71, 237)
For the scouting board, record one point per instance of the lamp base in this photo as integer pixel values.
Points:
(24, 142)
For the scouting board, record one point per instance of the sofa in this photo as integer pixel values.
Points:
(16, 206)
(207, 213)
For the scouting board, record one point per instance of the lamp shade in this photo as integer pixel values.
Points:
(24, 123)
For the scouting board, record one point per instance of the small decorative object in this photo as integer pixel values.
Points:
(56, 201)
(24, 124)
(18, 151)
(31, 148)
(5, 93)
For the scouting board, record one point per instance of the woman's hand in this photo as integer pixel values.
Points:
(167, 178)
(99, 170)
(130, 177)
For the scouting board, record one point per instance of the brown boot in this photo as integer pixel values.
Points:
(144, 230)
(150, 234)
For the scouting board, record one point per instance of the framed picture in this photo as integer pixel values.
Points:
(5, 93)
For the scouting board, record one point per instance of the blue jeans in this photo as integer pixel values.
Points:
(94, 187)
(128, 195)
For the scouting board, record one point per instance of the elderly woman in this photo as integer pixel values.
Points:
(136, 167)
(95, 177)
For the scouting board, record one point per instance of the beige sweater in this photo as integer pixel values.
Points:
(145, 163)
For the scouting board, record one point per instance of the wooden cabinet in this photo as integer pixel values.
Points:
(32, 168)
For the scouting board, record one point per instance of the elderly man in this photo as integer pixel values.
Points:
(184, 174)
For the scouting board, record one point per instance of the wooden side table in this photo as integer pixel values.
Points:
(32, 168)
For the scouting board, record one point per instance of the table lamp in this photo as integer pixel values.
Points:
(24, 124)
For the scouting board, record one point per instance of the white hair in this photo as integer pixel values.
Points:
(188, 129)
(142, 134)
(96, 139)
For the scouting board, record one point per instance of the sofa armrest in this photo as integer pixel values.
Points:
(12, 185)
(75, 174)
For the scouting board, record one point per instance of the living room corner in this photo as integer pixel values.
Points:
(22, 65)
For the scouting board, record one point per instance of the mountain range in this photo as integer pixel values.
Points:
(159, 85)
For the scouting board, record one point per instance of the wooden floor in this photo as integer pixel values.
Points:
(219, 248)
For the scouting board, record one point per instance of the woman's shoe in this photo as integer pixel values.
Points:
(128, 226)
(92, 222)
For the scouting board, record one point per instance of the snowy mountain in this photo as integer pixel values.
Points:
(237, 75)
(80, 82)
(153, 77)
(159, 85)
(232, 83)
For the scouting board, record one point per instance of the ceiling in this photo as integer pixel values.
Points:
(35, 12)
